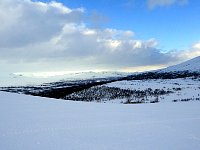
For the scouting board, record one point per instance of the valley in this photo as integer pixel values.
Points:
(166, 85)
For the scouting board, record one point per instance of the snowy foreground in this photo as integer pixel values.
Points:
(33, 123)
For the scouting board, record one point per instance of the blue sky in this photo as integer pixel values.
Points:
(175, 26)
(114, 35)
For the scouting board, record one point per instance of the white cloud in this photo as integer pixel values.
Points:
(37, 36)
(196, 45)
(194, 51)
(160, 3)
(25, 22)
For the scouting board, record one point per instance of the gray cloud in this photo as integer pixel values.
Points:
(50, 36)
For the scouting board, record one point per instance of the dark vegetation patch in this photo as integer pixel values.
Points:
(187, 99)
(163, 75)
(101, 93)
(60, 89)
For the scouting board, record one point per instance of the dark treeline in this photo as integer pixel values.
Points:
(101, 93)
(60, 89)
(163, 75)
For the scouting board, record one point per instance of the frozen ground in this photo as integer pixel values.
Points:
(30, 123)
(182, 88)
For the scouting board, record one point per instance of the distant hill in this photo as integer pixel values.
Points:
(192, 65)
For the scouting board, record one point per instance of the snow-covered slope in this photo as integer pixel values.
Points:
(30, 123)
(192, 65)
(181, 89)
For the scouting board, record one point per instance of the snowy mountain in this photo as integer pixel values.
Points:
(192, 65)
(176, 83)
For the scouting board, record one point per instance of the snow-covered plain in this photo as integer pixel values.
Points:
(188, 88)
(30, 123)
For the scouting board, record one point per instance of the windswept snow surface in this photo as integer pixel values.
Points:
(34, 123)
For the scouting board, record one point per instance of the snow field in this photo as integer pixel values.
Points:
(40, 123)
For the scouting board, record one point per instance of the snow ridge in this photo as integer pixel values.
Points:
(192, 65)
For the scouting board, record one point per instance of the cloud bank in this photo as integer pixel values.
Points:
(38, 36)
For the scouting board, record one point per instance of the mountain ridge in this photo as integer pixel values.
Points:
(192, 65)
